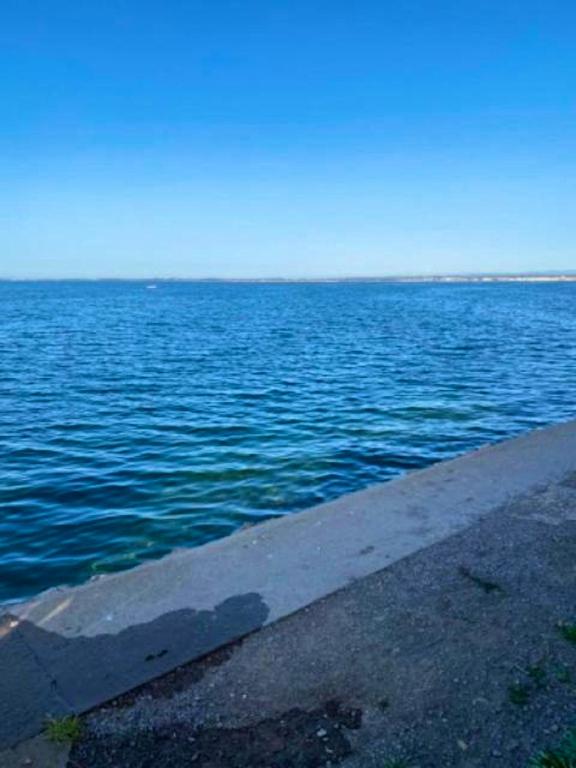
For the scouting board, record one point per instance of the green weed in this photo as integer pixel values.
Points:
(537, 674)
(568, 632)
(519, 694)
(64, 730)
(562, 757)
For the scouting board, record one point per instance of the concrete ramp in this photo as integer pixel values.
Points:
(71, 649)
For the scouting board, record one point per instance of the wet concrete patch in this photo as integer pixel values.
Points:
(296, 739)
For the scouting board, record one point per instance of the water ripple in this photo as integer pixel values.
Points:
(136, 421)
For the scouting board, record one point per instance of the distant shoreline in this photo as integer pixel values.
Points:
(565, 277)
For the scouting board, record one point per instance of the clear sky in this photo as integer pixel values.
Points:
(300, 138)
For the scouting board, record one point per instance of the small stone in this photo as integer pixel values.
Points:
(321, 733)
(462, 744)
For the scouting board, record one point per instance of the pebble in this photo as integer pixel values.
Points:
(512, 746)
(321, 733)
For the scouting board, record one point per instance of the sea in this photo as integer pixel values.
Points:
(136, 418)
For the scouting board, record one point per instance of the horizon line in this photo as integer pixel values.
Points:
(548, 275)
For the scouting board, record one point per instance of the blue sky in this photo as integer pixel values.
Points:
(303, 138)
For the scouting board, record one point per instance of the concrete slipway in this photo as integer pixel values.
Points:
(372, 554)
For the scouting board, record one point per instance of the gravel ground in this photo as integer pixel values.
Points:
(455, 656)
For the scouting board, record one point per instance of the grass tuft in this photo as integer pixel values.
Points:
(537, 674)
(568, 632)
(562, 757)
(552, 759)
(64, 730)
(562, 673)
(519, 694)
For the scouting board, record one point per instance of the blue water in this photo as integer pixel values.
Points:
(134, 421)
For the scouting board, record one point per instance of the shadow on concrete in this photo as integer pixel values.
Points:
(46, 674)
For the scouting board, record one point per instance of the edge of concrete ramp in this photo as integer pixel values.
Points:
(71, 649)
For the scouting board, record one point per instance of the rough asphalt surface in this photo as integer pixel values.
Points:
(458, 655)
